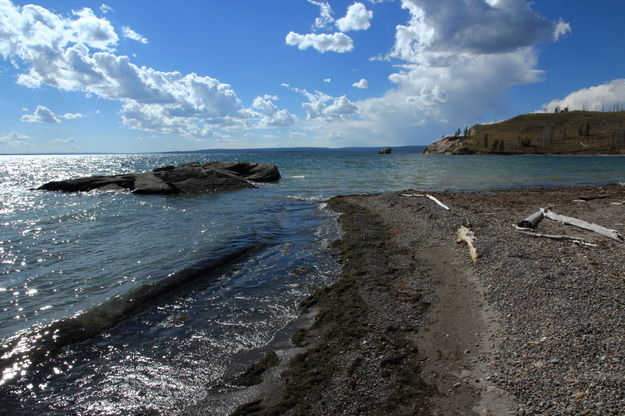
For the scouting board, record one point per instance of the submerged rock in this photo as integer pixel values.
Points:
(190, 178)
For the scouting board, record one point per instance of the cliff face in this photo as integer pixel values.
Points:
(575, 132)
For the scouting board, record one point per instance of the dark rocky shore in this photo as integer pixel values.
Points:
(413, 327)
(190, 178)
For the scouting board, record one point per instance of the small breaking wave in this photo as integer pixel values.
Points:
(314, 198)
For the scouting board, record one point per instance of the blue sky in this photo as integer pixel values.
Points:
(135, 76)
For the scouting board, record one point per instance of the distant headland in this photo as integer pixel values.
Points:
(560, 133)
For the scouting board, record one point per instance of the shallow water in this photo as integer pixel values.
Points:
(64, 254)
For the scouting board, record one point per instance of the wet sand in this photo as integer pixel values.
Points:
(414, 327)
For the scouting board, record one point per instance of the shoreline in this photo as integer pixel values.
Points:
(413, 327)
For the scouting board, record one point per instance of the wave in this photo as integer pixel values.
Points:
(315, 198)
(34, 345)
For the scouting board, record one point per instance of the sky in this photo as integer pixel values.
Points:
(164, 75)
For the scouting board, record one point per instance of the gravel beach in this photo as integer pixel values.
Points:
(413, 327)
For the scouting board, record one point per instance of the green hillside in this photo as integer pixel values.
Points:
(574, 132)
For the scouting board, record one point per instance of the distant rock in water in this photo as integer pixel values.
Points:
(386, 151)
(191, 178)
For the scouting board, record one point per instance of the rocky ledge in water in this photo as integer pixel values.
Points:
(190, 178)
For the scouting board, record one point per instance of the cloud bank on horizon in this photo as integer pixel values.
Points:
(448, 63)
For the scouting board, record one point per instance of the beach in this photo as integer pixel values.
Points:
(392, 292)
(414, 326)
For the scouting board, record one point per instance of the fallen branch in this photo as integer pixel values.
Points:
(533, 220)
(573, 239)
(466, 235)
(437, 201)
(591, 197)
(606, 232)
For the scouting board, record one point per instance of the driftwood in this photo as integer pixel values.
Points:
(430, 197)
(573, 239)
(591, 197)
(465, 234)
(437, 201)
(606, 232)
(533, 220)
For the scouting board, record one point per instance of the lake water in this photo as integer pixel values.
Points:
(112, 303)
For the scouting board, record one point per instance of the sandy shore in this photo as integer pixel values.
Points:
(413, 327)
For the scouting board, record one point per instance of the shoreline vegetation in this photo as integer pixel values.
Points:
(414, 327)
(566, 132)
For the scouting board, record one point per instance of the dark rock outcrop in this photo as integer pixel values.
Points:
(185, 179)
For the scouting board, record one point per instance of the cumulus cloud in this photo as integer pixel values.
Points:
(455, 61)
(72, 116)
(475, 27)
(92, 31)
(604, 97)
(325, 14)
(459, 59)
(41, 115)
(362, 84)
(357, 18)
(562, 28)
(131, 34)
(272, 116)
(327, 80)
(323, 107)
(76, 53)
(323, 42)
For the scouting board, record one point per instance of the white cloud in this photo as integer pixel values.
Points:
(357, 18)
(460, 59)
(105, 8)
(14, 139)
(64, 141)
(325, 14)
(323, 42)
(131, 34)
(317, 107)
(327, 80)
(92, 31)
(604, 97)
(474, 27)
(362, 84)
(41, 115)
(455, 62)
(272, 116)
(72, 116)
(562, 28)
(59, 52)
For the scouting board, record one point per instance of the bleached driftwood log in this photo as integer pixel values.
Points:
(573, 239)
(533, 220)
(465, 234)
(430, 197)
(591, 197)
(437, 201)
(606, 232)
